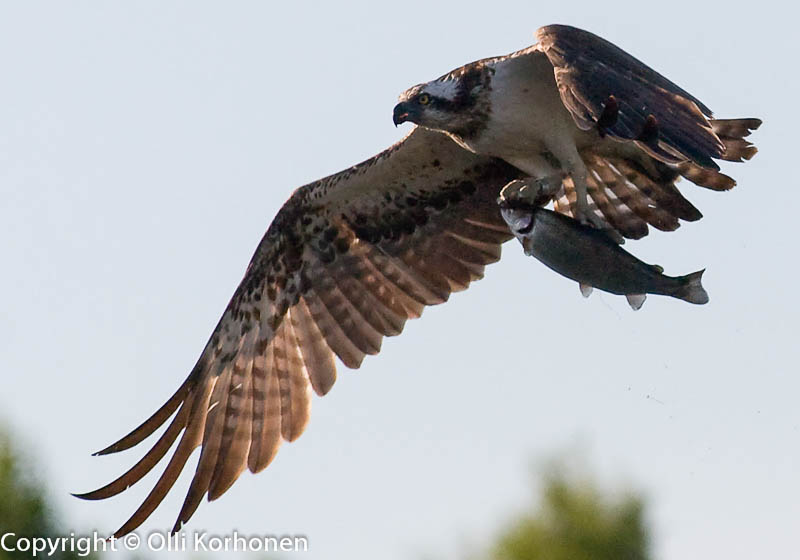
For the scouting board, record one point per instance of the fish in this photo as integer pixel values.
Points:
(593, 258)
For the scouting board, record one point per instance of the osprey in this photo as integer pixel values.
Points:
(349, 258)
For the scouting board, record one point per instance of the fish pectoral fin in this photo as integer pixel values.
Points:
(636, 301)
(586, 289)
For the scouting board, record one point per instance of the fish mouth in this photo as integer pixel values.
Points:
(520, 220)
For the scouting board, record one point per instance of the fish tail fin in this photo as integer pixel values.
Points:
(691, 289)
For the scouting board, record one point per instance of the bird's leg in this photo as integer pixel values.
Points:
(583, 213)
(543, 182)
(577, 171)
(535, 191)
(549, 185)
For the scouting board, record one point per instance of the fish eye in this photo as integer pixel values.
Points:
(424, 99)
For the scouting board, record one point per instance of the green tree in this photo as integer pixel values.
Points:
(24, 508)
(575, 521)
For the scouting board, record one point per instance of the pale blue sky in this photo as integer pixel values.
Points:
(146, 146)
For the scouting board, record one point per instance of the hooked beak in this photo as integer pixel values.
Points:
(400, 114)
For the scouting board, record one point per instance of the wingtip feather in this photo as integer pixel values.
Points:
(146, 428)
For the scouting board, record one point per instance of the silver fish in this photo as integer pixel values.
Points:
(591, 258)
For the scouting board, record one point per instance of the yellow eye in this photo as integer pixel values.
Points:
(424, 99)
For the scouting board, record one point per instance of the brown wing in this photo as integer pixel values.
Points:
(606, 88)
(664, 134)
(347, 260)
(629, 193)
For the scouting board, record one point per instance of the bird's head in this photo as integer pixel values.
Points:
(456, 103)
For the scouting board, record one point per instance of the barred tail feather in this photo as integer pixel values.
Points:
(707, 178)
(734, 128)
(732, 133)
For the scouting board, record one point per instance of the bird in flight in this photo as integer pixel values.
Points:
(350, 257)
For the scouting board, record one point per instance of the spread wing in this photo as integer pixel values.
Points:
(347, 260)
(663, 131)
(604, 87)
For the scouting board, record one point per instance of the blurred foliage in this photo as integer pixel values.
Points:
(575, 521)
(24, 508)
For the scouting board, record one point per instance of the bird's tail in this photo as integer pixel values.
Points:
(732, 132)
